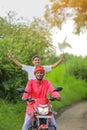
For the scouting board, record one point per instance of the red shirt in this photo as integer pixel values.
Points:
(38, 90)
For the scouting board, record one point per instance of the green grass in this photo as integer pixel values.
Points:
(73, 90)
(12, 115)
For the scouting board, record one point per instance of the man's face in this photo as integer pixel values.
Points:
(39, 75)
(36, 61)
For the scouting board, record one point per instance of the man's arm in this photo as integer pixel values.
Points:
(53, 93)
(58, 62)
(14, 60)
(28, 91)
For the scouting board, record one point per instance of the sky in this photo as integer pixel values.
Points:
(35, 8)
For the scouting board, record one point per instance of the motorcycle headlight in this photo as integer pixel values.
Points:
(43, 111)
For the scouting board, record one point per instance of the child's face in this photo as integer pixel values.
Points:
(36, 61)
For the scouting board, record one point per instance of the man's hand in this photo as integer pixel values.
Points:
(63, 57)
(14, 60)
(10, 55)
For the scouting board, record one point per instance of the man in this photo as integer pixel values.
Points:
(36, 60)
(38, 88)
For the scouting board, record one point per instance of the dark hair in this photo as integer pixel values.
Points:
(35, 57)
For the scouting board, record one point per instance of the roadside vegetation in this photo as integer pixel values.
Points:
(24, 41)
(74, 90)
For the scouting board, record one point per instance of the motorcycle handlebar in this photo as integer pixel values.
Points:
(32, 99)
(52, 99)
(22, 90)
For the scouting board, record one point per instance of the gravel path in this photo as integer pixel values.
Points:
(74, 117)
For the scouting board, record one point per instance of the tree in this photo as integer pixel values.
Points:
(24, 41)
(59, 11)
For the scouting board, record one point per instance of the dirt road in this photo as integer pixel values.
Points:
(74, 117)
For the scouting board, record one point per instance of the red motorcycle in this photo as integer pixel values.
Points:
(42, 112)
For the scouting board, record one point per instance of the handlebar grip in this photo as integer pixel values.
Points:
(30, 99)
(52, 98)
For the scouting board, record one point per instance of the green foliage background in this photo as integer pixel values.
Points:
(24, 41)
(74, 90)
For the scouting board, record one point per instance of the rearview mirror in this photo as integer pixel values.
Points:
(21, 90)
(58, 89)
